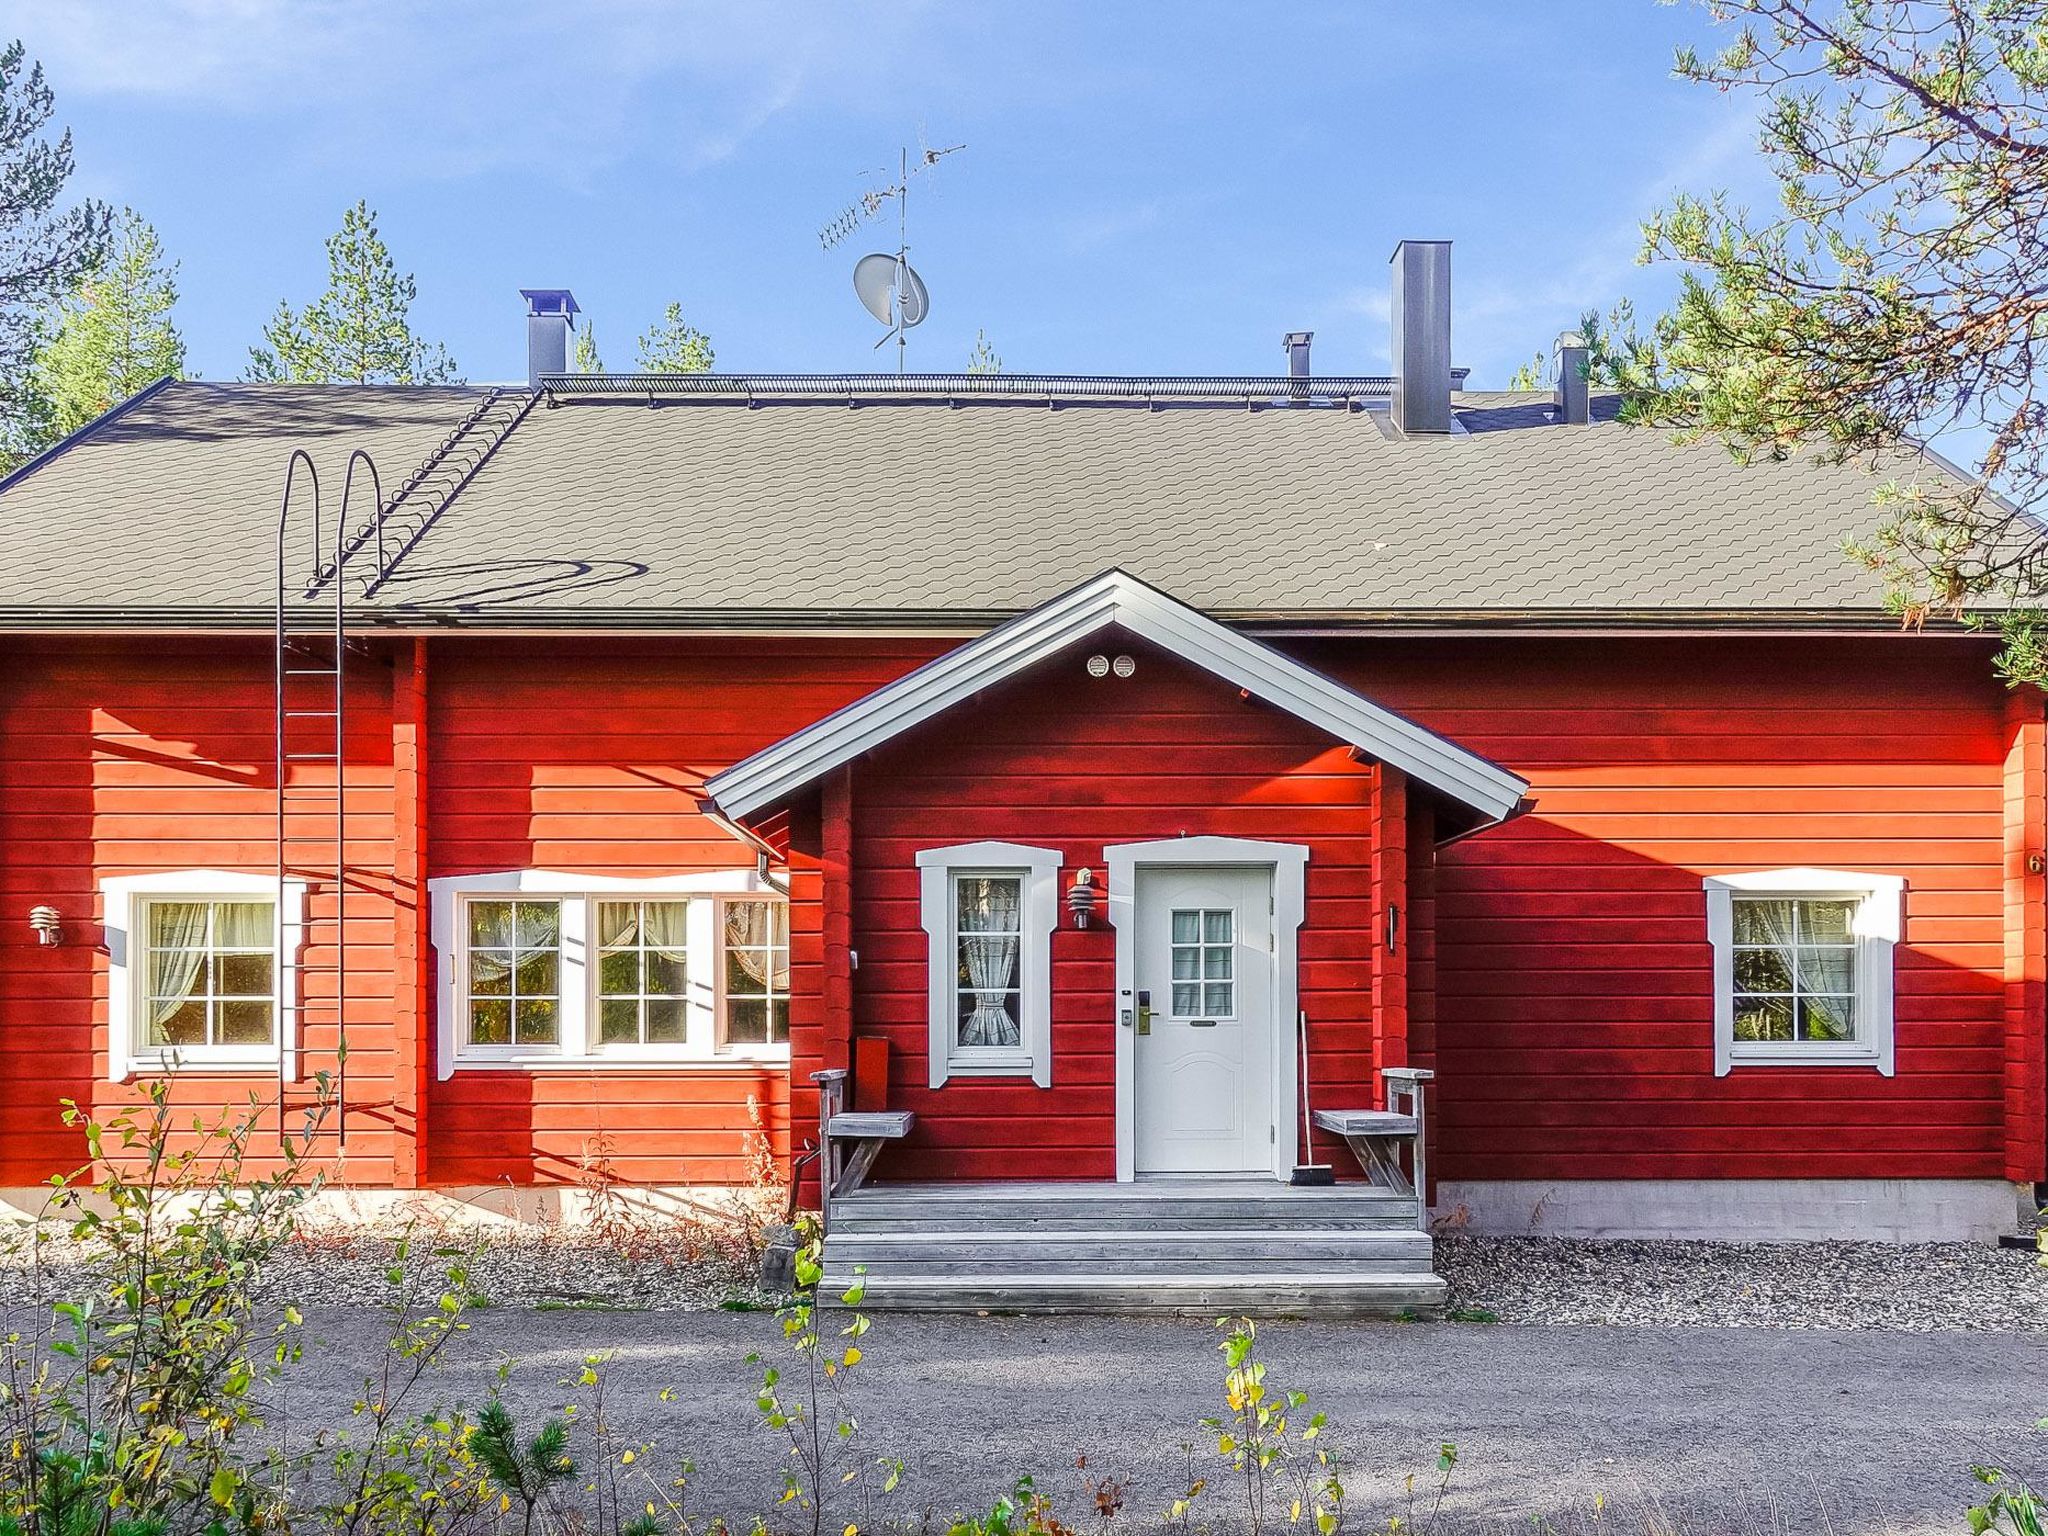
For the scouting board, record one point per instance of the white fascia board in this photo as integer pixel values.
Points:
(1115, 598)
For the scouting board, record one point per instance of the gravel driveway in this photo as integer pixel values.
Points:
(1720, 1430)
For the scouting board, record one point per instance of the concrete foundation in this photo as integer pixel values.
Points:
(492, 1206)
(1739, 1210)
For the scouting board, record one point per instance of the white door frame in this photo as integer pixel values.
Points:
(1288, 863)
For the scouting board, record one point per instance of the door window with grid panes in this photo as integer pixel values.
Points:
(1203, 956)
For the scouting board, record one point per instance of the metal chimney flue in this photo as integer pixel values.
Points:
(1295, 343)
(1422, 336)
(1574, 392)
(550, 317)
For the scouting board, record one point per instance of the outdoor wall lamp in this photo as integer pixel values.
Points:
(1081, 896)
(49, 926)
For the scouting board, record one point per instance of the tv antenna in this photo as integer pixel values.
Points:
(885, 284)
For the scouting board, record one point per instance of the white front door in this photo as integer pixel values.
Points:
(1203, 1068)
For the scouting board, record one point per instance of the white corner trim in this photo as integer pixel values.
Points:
(1115, 598)
(1289, 864)
(1040, 867)
(445, 894)
(1879, 926)
(122, 898)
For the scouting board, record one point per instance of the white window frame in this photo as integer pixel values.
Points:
(124, 904)
(1038, 873)
(1877, 925)
(577, 1046)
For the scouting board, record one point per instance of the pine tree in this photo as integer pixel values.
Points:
(586, 359)
(1897, 291)
(984, 358)
(113, 335)
(674, 346)
(44, 250)
(358, 331)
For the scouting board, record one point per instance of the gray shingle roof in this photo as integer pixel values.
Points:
(613, 513)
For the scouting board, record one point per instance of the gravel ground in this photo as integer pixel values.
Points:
(1705, 1432)
(1919, 1288)
(545, 1270)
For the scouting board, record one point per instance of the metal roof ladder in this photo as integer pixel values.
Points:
(310, 673)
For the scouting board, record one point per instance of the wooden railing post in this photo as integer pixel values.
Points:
(831, 1099)
(1405, 1083)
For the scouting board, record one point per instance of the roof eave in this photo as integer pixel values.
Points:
(1562, 622)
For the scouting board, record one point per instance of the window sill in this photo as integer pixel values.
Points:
(1804, 1056)
(983, 1067)
(556, 1062)
(166, 1066)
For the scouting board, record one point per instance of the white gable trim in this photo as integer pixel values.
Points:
(1114, 598)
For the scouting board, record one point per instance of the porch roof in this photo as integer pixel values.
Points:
(1118, 599)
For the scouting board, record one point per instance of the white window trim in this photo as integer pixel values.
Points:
(1877, 926)
(122, 900)
(578, 1048)
(1038, 916)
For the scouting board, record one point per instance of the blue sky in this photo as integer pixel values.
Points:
(1146, 187)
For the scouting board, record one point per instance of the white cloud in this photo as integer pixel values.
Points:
(1501, 322)
(447, 90)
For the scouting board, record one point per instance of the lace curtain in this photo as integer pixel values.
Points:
(989, 943)
(1804, 948)
(177, 950)
(503, 933)
(757, 941)
(660, 926)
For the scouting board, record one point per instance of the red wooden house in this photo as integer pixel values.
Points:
(1111, 775)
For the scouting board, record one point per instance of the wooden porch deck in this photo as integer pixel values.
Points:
(1200, 1247)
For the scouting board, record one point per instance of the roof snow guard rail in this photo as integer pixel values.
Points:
(1349, 392)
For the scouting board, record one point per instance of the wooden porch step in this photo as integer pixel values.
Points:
(1179, 1206)
(1281, 1294)
(1197, 1246)
(1189, 1250)
(1063, 1219)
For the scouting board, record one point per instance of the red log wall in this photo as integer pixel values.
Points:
(1568, 1009)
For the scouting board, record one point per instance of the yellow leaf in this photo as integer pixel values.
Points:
(626, 1459)
(1294, 1513)
(852, 1356)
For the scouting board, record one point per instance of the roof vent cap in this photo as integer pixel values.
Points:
(1573, 397)
(550, 317)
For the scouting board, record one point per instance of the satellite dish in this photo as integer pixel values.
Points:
(874, 282)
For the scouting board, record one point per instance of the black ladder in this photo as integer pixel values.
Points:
(310, 672)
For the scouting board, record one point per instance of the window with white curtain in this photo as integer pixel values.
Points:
(515, 973)
(756, 1002)
(643, 972)
(1803, 967)
(212, 976)
(196, 976)
(989, 910)
(541, 969)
